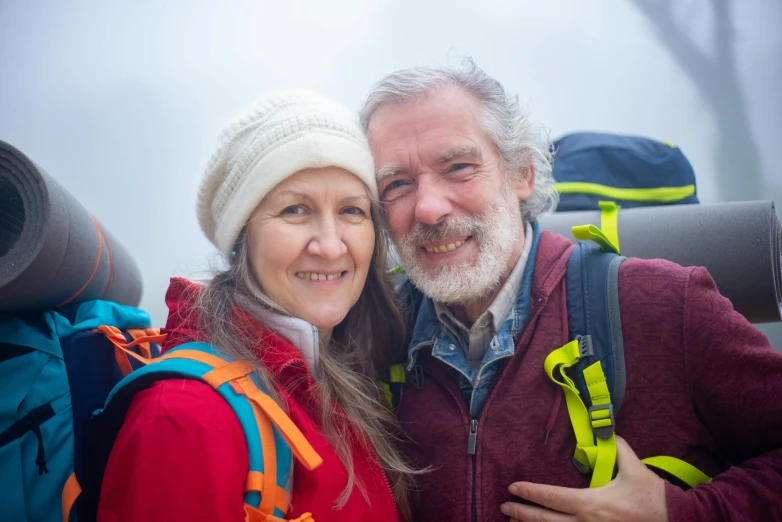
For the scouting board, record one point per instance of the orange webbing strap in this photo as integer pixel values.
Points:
(265, 411)
(302, 449)
(255, 480)
(226, 373)
(70, 493)
(121, 348)
(196, 355)
(269, 449)
(144, 347)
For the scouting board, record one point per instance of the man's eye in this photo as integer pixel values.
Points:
(395, 184)
(459, 166)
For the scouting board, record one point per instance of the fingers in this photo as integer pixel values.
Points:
(564, 500)
(626, 458)
(523, 513)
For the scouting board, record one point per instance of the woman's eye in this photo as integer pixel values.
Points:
(293, 210)
(354, 211)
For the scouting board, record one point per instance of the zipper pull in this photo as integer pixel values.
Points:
(473, 439)
(40, 459)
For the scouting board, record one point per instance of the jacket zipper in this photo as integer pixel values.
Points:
(472, 443)
(390, 491)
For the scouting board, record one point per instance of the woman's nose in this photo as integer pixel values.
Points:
(327, 241)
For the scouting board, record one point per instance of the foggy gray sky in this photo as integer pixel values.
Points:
(122, 103)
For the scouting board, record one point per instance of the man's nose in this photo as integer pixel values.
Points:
(432, 203)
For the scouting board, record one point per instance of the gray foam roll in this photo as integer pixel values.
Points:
(738, 243)
(52, 252)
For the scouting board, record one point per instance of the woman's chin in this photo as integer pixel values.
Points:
(325, 319)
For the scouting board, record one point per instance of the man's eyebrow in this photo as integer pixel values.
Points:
(464, 151)
(390, 170)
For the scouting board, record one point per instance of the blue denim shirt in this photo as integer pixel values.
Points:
(428, 332)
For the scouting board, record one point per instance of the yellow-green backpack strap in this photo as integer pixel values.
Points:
(607, 236)
(601, 422)
(592, 452)
(396, 379)
(685, 472)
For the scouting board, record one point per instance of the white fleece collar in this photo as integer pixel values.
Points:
(300, 333)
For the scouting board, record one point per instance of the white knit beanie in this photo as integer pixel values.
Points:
(279, 135)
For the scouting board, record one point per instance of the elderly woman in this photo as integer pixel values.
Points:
(289, 200)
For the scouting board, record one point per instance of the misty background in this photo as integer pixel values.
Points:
(122, 103)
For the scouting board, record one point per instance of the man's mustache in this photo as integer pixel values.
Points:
(422, 233)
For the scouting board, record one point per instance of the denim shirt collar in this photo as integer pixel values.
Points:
(428, 333)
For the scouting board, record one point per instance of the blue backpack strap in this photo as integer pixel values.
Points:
(593, 316)
(269, 444)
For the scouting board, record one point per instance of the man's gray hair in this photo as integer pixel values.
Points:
(520, 141)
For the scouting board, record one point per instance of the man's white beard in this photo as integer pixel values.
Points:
(496, 234)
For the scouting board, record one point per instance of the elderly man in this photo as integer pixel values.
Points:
(463, 174)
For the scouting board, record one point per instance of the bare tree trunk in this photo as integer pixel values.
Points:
(738, 167)
(737, 172)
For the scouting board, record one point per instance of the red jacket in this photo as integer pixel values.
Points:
(181, 456)
(702, 385)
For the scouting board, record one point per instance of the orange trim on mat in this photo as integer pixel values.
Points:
(111, 266)
(94, 270)
(70, 493)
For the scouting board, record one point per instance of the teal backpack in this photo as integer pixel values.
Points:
(66, 381)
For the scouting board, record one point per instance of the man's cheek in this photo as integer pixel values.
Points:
(399, 219)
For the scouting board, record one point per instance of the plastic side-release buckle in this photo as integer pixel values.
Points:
(585, 345)
(580, 467)
(602, 424)
(416, 377)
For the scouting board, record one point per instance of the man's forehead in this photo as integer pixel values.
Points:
(448, 108)
(404, 136)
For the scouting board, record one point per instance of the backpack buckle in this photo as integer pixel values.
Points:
(581, 468)
(416, 377)
(601, 417)
(585, 345)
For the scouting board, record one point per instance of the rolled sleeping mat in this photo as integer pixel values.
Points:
(738, 243)
(53, 253)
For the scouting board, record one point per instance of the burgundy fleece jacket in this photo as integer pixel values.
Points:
(703, 385)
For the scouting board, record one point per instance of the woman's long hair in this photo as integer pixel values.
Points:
(349, 362)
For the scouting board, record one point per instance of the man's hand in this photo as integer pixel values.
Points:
(635, 494)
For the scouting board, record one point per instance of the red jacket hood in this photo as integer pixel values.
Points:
(182, 326)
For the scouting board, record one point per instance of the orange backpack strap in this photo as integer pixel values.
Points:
(144, 347)
(266, 413)
(70, 493)
(301, 448)
(122, 350)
